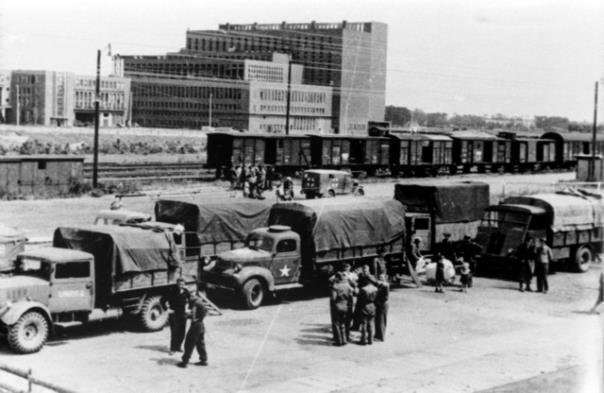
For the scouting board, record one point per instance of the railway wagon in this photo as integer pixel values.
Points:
(571, 144)
(413, 154)
(480, 150)
(530, 152)
(350, 151)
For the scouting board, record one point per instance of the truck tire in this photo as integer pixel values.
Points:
(583, 259)
(252, 293)
(153, 315)
(29, 333)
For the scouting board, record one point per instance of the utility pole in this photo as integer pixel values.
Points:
(95, 165)
(18, 111)
(592, 165)
(210, 112)
(289, 87)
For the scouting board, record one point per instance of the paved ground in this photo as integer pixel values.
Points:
(493, 339)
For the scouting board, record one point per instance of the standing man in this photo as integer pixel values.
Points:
(379, 264)
(366, 300)
(439, 277)
(469, 250)
(195, 335)
(544, 257)
(177, 299)
(600, 299)
(446, 248)
(415, 253)
(525, 254)
(381, 307)
(341, 303)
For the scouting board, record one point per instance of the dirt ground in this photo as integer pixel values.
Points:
(493, 339)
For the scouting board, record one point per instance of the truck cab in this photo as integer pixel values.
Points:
(270, 260)
(420, 225)
(46, 283)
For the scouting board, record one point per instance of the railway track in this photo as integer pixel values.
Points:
(149, 173)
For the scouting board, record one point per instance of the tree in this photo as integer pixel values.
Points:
(398, 115)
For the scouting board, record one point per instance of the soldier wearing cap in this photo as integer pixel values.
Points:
(177, 300)
(544, 257)
(341, 304)
(195, 335)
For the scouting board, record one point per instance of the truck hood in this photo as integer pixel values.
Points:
(245, 255)
(17, 288)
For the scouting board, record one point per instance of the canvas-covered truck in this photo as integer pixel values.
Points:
(572, 223)
(91, 273)
(452, 207)
(211, 228)
(306, 239)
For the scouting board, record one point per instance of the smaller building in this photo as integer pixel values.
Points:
(4, 95)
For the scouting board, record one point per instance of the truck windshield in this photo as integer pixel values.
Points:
(503, 219)
(258, 242)
(32, 267)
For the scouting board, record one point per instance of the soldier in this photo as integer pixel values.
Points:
(341, 303)
(440, 273)
(177, 299)
(469, 249)
(525, 255)
(446, 248)
(381, 307)
(366, 301)
(195, 335)
(379, 264)
(544, 256)
(415, 253)
(352, 278)
(600, 298)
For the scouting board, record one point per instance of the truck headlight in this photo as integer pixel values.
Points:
(237, 268)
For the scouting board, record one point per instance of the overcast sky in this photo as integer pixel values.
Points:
(516, 57)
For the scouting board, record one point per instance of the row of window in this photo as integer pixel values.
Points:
(192, 105)
(163, 119)
(186, 68)
(260, 43)
(112, 101)
(265, 73)
(154, 90)
(295, 96)
(294, 109)
(105, 84)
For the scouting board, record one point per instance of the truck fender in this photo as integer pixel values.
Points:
(11, 313)
(256, 271)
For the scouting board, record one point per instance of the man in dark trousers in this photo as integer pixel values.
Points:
(379, 264)
(381, 307)
(525, 255)
(177, 299)
(544, 256)
(445, 248)
(366, 300)
(415, 251)
(468, 249)
(195, 335)
(341, 303)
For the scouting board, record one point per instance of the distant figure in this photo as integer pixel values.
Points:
(381, 307)
(117, 203)
(366, 301)
(525, 255)
(464, 275)
(440, 273)
(415, 253)
(195, 335)
(544, 257)
(341, 303)
(600, 299)
(469, 250)
(445, 247)
(379, 264)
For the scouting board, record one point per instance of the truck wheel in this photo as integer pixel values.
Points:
(29, 333)
(253, 293)
(153, 315)
(583, 258)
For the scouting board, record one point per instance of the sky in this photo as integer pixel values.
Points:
(514, 57)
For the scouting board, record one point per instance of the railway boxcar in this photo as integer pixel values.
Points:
(348, 151)
(481, 150)
(571, 144)
(529, 152)
(413, 154)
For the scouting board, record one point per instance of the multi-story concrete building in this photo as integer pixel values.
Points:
(349, 57)
(4, 95)
(63, 98)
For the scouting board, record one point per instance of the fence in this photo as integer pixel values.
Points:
(29, 379)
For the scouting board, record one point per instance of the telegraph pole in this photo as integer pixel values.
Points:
(210, 112)
(289, 87)
(18, 111)
(592, 165)
(97, 99)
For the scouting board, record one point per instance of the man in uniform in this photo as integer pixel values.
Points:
(446, 248)
(469, 249)
(525, 255)
(415, 253)
(366, 301)
(341, 303)
(195, 335)
(379, 264)
(177, 299)
(381, 307)
(544, 257)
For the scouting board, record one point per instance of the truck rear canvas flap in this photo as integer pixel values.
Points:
(449, 202)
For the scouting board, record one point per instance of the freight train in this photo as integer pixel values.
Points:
(400, 153)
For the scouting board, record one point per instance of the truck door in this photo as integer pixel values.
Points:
(72, 287)
(285, 266)
(420, 225)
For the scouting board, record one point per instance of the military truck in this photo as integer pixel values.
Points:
(307, 239)
(571, 221)
(91, 273)
(12, 242)
(432, 210)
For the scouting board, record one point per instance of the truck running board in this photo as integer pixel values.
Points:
(66, 325)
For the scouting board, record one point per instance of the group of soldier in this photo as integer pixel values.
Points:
(533, 259)
(359, 302)
(252, 179)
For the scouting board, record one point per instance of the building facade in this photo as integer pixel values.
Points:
(348, 57)
(5, 106)
(66, 99)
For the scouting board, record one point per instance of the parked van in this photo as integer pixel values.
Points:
(329, 183)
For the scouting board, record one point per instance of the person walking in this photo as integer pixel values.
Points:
(544, 257)
(177, 300)
(195, 335)
(341, 301)
(600, 299)
(366, 300)
(381, 307)
(525, 255)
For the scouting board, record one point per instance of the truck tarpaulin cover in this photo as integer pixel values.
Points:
(449, 202)
(128, 249)
(214, 222)
(566, 211)
(343, 222)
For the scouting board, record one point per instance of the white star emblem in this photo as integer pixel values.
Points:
(284, 271)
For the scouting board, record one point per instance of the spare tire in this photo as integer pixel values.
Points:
(583, 259)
